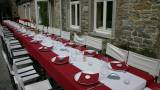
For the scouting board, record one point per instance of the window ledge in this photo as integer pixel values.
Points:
(102, 34)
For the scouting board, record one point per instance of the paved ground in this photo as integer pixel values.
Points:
(5, 80)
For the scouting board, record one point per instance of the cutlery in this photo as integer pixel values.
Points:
(94, 86)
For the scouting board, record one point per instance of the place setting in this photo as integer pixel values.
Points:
(86, 78)
(44, 49)
(90, 53)
(60, 60)
(117, 65)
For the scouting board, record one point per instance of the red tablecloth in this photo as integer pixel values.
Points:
(64, 74)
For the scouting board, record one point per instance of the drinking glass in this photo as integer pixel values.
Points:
(104, 71)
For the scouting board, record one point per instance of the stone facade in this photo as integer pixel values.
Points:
(55, 10)
(21, 10)
(137, 23)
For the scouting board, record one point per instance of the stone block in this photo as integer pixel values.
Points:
(147, 42)
(138, 39)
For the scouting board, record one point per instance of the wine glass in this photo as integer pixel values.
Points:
(104, 71)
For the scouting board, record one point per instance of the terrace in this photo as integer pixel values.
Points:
(80, 44)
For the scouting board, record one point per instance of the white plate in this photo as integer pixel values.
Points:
(53, 59)
(115, 62)
(77, 75)
(89, 51)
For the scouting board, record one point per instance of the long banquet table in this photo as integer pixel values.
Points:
(64, 74)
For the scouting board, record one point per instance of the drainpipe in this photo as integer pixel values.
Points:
(61, 16)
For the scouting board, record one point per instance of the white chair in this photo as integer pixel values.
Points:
(13, 69)
(79, 39)
(40, 28)
(65, 35)
(41, 85)
(25, 23)
(7, 33)
(50, 30)
(19, 57)
(14, 43)
(117, 53)
(33, 25)
(22, 60)
(144, 63)
(57, 31)
(94, 42)
(26, 73)
(15, 52)
(7, 62)
(29, 24)
(45, 29)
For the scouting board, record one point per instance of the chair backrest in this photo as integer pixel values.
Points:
(7, 62)
(18, 80)
(8, 47)
(29, 24)
(117, 53)
(79, 39)
(50, 30)
(45, 29)
(25, 23)
(144, 63)
(40, 28)
(33, 25)
(94, 42)
(57, 31)
(65, 35)
(1, 32)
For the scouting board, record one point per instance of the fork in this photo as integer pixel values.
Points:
(90, 88)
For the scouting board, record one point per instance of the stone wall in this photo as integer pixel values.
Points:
(33, 12)
(56, 13)
(21, 11)
(138, 23)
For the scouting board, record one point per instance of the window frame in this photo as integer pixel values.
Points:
(104, 29)
(29, 11)
(75, 3)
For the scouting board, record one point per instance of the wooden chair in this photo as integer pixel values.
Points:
(50, 30)
(65, 35)
(57, 31)
(147, 64)
(40, 85)
(93, 43)
(79, 39)
(117, 53)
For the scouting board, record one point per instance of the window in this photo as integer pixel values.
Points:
(103, 15)
(43, 12)
(29, 11)
(25, 11)
(74, 14)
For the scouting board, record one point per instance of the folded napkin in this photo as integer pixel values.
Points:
(60, 59)
(71, 44)
(88, 79)
(44, 49)
(118, 65)
(90, 52)
(34, 42)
